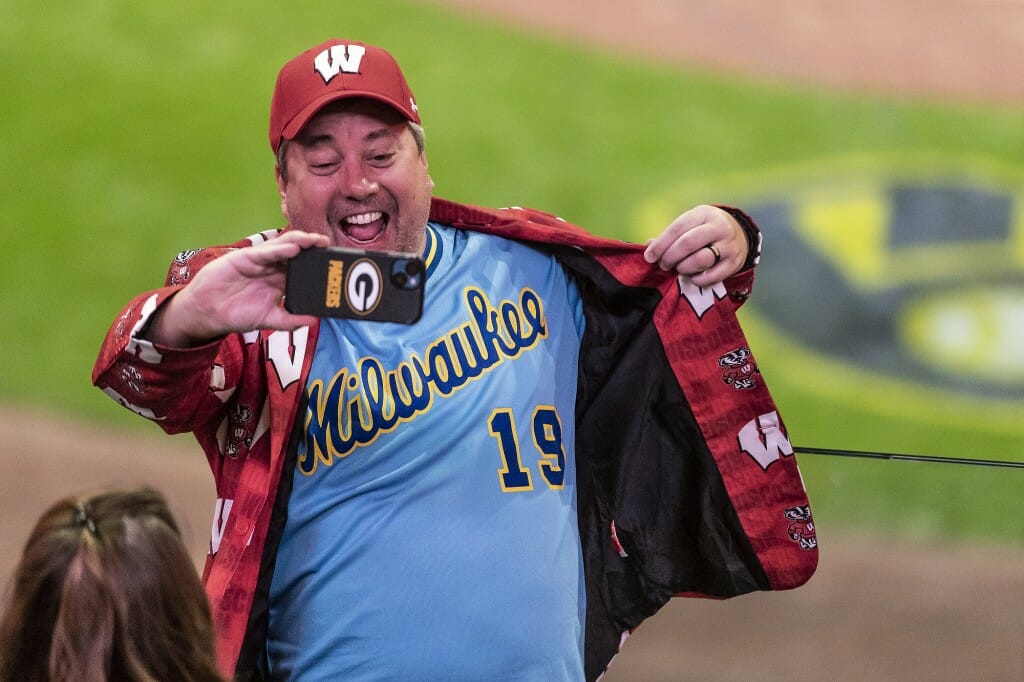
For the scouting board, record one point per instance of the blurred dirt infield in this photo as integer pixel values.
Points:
(878, 608)
(967, 50)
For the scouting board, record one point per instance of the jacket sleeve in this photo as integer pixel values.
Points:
(180, 389)
(753, 234)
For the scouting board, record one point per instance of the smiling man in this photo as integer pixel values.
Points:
(357, 173)
(502, 490)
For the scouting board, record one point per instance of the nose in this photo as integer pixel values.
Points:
(355, 181)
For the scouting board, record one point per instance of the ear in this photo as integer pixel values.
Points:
(281, 190)
(426, 166)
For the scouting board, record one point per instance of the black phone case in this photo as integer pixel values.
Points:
(356, 284)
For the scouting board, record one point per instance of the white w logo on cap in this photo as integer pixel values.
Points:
(338, 58)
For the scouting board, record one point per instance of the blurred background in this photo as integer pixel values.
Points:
(879, 145)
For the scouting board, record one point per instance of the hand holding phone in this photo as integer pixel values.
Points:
(382, 286)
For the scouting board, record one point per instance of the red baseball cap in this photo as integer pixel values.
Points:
(334, 70)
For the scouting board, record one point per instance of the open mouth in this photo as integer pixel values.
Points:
(364, 228)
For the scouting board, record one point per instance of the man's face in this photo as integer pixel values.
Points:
(356, 175)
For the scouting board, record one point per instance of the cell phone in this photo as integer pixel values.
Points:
(383, 286)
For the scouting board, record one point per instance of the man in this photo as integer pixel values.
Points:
(502, 490)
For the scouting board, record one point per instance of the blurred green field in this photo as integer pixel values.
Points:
(135, 131)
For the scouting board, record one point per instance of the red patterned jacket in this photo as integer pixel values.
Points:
(686, 480)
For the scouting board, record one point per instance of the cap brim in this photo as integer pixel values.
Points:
(300, 119)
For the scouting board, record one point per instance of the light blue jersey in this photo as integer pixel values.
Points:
(432, 530)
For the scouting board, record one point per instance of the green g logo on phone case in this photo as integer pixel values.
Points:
(362, 286)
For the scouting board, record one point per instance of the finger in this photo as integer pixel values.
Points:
(715, 272)
(716, 253)
(689, 252)
(303, 239)
(657, 246)
(712, 275)
(283, 320)
(276, 253)
(695, 263)
(683, 224)
(668, 253)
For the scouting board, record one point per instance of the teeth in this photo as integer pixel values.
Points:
(364, 218)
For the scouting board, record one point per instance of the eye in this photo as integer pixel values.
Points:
(321, 158)
(323, 166)
(383, 159)
(322, 171)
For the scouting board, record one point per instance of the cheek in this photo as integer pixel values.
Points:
(290, 203)
(419, 195)
(423, 184)
(303, 195)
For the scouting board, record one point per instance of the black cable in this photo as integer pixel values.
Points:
(910, 458)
